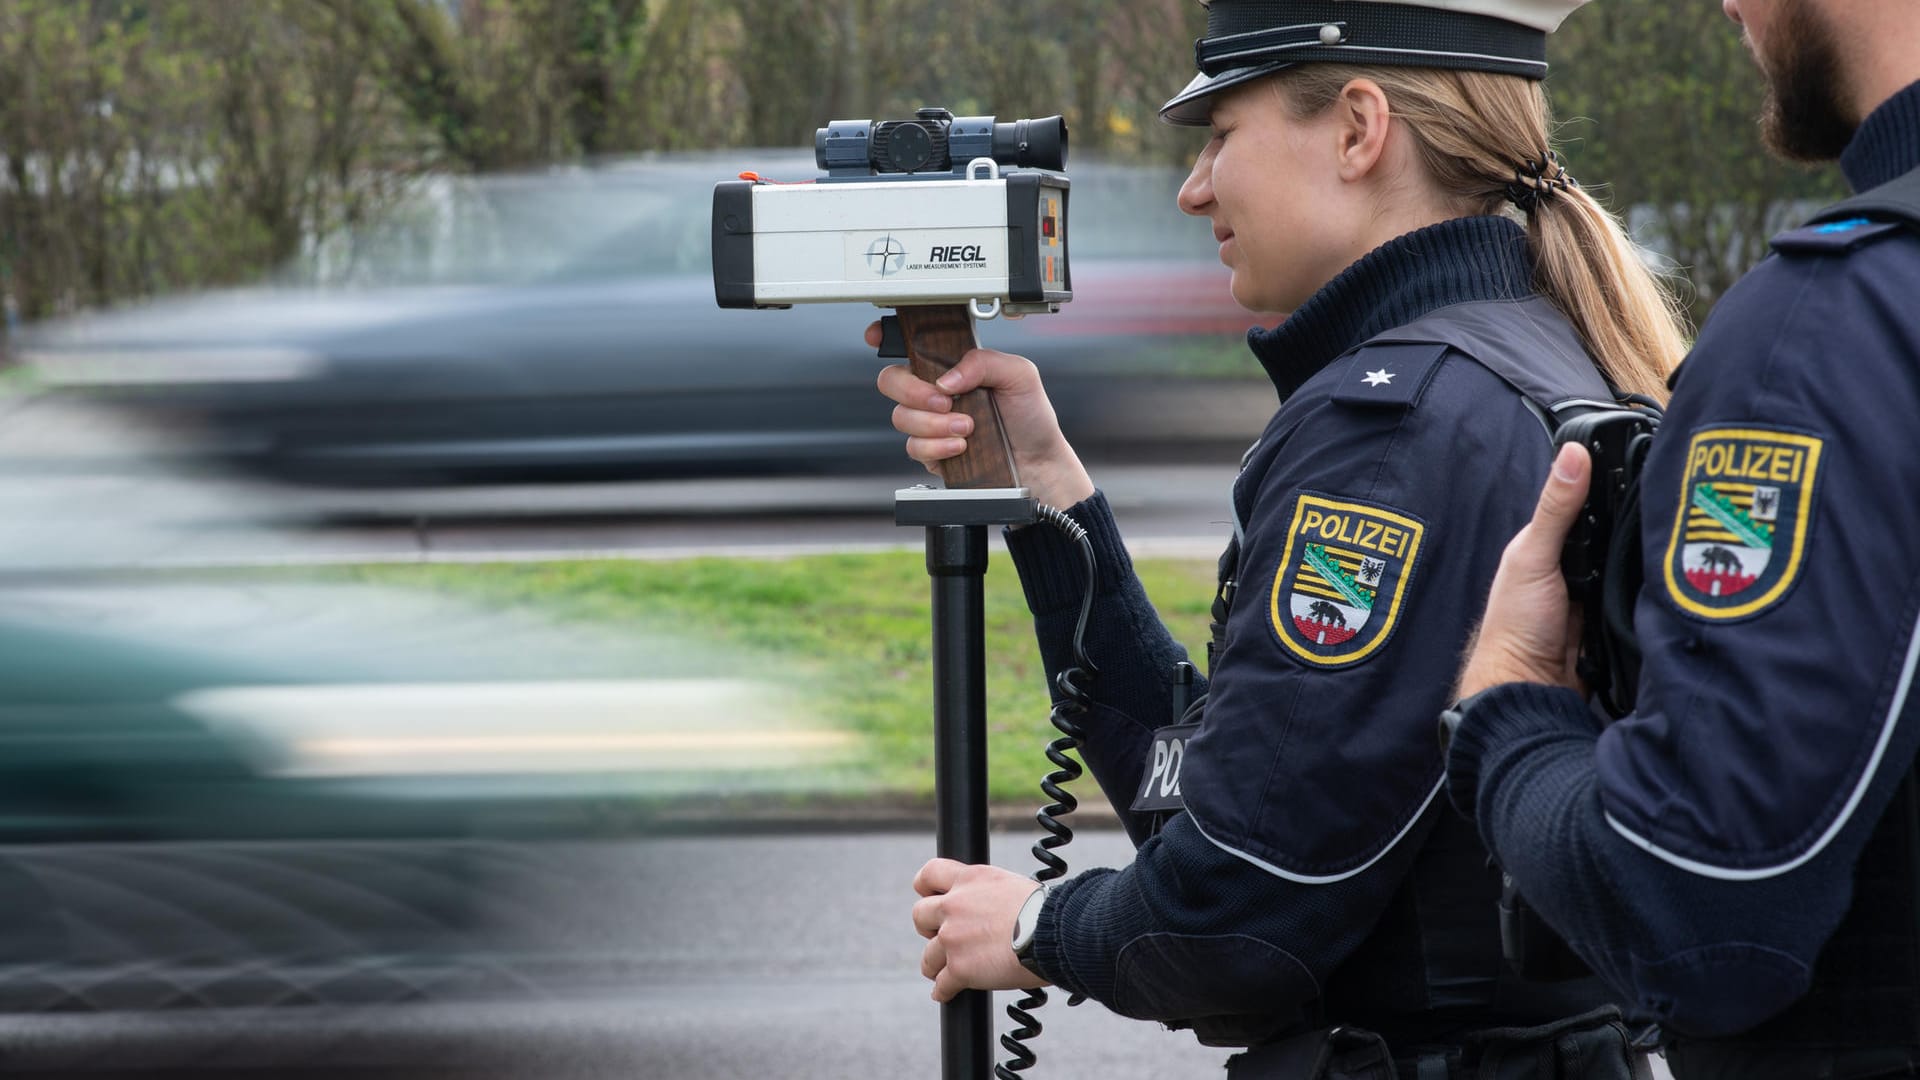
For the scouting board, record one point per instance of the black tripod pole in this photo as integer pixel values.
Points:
(957, 563)
(956, 524)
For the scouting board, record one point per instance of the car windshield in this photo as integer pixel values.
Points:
(652, 218)
(1128, 212)
(502, 230)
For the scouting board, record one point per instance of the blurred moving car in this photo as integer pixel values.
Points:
(276, 850)
(562, 324)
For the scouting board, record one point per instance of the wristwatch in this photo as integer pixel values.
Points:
(1028, 921)
(1450, 718)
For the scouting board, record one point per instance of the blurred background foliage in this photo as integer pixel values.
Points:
(149, 146)
(1658, 104)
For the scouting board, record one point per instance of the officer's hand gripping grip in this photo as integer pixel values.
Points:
(937, 336)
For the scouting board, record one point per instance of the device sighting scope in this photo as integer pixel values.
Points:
(935, 142)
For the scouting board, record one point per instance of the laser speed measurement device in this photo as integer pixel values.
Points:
(945, 219)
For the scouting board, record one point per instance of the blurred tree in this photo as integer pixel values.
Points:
(1106, 65)
(662, 82)
(1657, 103)
(1149, 57)
(160, 144)
(506, 83)
(782, 55)
(289, 111)
(474, 85)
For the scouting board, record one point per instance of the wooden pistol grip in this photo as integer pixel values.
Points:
(938, 335)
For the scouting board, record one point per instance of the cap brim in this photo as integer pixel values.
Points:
(1190, 107)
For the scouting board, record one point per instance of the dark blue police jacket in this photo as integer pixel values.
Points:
(1700, 852)
(1312, 873)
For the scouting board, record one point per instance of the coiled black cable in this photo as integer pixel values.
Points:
(1073, 697)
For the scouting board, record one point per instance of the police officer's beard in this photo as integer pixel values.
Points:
(1802, 117)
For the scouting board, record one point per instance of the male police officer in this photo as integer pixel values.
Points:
(1742, 855)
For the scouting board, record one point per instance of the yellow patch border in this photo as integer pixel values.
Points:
(1415, 529)
(1812, 446)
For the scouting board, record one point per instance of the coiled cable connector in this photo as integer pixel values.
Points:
(1073, 697)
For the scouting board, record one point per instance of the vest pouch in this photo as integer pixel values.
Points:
(1341, 1053)
(1710, 1061)
(1591, 1046)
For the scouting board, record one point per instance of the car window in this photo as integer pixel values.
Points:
(1128, 212)
(668, 232)
(500, 230)
(652, 217)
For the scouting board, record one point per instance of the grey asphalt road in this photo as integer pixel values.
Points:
(795, 956)
(785, 956)
(81, 490)
(722, 957)
(805, 965)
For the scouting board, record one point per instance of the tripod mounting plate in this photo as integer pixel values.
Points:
(932, 507)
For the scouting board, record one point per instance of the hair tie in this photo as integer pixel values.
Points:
(1535, 180)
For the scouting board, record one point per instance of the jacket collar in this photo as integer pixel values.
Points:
(1887, 144)
(1453, 262)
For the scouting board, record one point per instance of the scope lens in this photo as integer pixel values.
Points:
(1034, 144)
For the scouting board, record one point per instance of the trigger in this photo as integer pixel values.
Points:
(893, 340)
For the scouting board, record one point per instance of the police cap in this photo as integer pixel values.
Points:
(1247, 39)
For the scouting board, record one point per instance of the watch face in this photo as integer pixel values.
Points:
(1449, 723)
(1028, 921)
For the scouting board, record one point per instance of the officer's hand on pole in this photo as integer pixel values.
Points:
(1530, 634)
(967, 914)
(923, 412)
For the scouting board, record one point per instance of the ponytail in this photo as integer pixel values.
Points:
(1584, 263)
(1483, 139)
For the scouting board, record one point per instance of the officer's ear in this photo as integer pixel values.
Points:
(1361, 120)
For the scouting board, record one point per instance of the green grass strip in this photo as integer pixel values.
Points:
(848, 634)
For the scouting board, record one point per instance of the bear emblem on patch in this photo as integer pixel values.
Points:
(1739, 535)
(1342, 578)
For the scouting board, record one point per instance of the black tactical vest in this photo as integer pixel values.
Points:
(1433, 965)
(1528, 343)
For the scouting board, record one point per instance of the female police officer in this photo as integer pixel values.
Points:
(1369, 168)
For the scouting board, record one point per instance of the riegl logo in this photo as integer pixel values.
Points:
(886, 255)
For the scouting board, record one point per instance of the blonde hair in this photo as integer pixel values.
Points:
(1476, 131)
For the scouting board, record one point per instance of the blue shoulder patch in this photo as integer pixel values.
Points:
(1389, 375)
(1833, 237)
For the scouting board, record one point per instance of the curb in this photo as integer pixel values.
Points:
(866, 816)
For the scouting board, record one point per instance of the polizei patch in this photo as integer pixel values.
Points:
(1342, 578)
(1739, 536)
